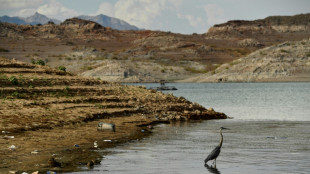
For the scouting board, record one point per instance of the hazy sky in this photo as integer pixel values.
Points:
(182, 16)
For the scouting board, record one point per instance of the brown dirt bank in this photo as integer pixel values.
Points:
(49, 111)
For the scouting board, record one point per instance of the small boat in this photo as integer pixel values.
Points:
(163, 87)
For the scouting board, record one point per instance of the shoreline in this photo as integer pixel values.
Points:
(52, 113)
(71, 146)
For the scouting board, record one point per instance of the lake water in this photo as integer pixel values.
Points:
(270, 133)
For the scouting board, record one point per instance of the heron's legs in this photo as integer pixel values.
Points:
(214, 163)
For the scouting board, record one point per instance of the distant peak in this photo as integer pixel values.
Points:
(37, 14)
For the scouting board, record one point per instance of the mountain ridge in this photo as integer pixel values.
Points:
(35, 19)
(101, 19)
(108, 21)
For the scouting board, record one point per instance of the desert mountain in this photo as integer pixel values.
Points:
(90, 49)
(14, 20)
(109, 22)
(288, 61)
(101, 19)
(37, 18)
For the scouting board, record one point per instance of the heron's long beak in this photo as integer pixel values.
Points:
(225, 128)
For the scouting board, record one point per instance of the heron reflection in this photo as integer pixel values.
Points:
(212, 169)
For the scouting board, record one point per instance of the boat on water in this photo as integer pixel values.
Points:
(163, 87)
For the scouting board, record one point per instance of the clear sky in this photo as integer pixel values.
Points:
(181, 16)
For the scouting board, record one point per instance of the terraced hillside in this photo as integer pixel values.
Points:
(49, 111)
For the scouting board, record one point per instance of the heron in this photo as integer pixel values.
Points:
(217, 150)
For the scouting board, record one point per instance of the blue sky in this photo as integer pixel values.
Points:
(181, 16)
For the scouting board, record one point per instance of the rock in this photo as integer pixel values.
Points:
(12, 147)
(106, 126)
(5, 132)
(211, 109)
(35, 152)
(90, 164)
(95, 144)
(249, 42)
(53, 163)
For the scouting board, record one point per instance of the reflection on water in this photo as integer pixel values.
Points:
(247, 148)
(257, 142)
(212, 169)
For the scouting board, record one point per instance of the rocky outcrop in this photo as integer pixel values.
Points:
(71, 28)
(289, 61)
(250, 43)
(254, 29)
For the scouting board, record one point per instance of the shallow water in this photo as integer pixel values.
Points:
(270, 133)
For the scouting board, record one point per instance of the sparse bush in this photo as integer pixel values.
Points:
(213, 46)
(66, 91)
(262, 53)
(194, 70)
(15, 94)
(66, 88)
(3, 76)
(62, 68)
(69, 43)
(284, 51)
(38, 62)
(99, 106)
(13, 80)
(3, 50)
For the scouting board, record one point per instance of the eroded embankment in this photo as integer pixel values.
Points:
(52, 113)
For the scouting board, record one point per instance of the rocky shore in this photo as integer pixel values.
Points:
(49, 117)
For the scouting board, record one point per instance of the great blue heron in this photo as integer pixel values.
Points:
(216, 151)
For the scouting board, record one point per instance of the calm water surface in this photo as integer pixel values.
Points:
(270, 133)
